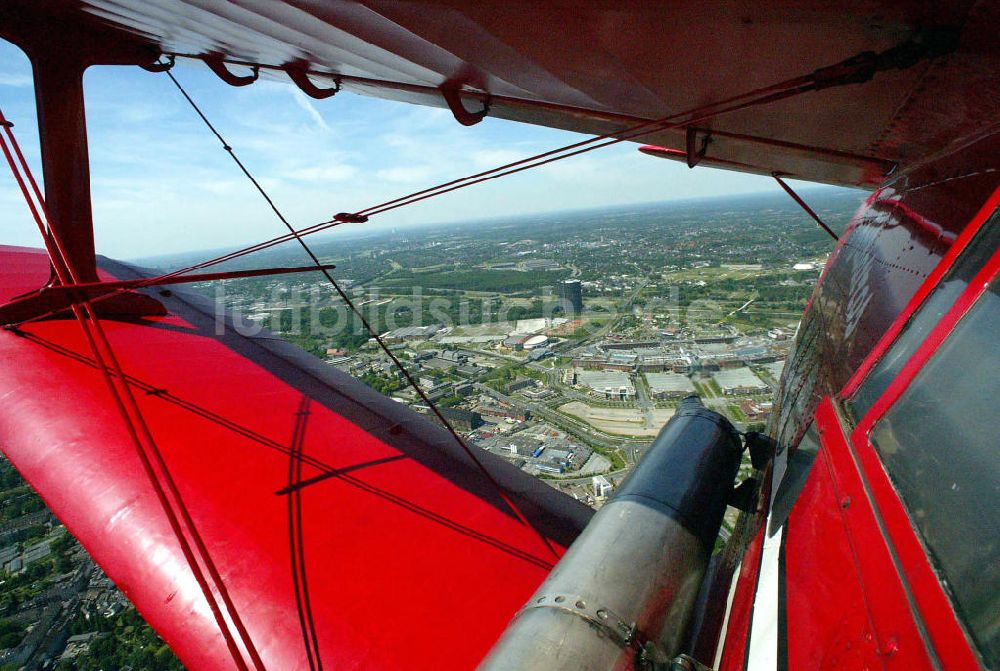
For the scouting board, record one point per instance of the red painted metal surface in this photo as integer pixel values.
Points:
(903, 239)
(894, 626)
(829, 626)
(401, 537)
(738, 626)
(882, 261)
(405, 542)
(679, 155)
(925, 289)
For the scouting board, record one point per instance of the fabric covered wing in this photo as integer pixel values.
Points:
(411, 558)
(598, 67)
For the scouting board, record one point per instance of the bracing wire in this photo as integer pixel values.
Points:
(501, 491)
(149, 454)
(857, 69)
(758, 96)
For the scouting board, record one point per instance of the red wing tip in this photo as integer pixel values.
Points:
(662, 152)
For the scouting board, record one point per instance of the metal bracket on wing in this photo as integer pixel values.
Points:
(217, 63)
(160, 66)
(452, 96)
(298, 72)
(695, 154)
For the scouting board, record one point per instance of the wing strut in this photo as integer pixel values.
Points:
(798, 199)
(149, 454)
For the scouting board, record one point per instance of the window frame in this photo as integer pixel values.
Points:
(951, 640)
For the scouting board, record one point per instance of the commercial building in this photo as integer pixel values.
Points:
(602, 488)
(520, 383)
(739, 381)
(410, 333)
(601, 363)
(756, 410)
(541, 264)
(608, 384)
(503, 412)
(539, 394)
(571, 296)
(463, 420)
(446, 359)
(627, 344)
(439, 391)
(464, 389)
(669, 385)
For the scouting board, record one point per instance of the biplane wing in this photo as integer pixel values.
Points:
(407, 556)
(340, 528)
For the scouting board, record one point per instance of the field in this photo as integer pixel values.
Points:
(619, 421)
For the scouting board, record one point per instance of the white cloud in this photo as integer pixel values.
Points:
(302, 101)
(154, 162)
(491, 158)
(220, 187)
(406, 174)
(15, 79)
(322, 173)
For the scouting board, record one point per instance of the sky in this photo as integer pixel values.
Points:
(162, 184)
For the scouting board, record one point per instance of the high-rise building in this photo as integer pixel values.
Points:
(571, 296)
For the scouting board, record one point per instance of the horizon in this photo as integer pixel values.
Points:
(161, 182)
(377, 230)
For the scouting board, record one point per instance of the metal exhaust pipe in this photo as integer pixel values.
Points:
(622, 595)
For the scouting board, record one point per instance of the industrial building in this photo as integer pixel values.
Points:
(411, 333)
(669, 385)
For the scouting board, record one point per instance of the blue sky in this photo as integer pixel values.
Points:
(162, 184)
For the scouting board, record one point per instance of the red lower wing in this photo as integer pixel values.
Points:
(410, 557)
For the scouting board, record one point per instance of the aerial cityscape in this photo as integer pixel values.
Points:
(562, 343)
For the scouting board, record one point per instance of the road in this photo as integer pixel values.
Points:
(578, 428)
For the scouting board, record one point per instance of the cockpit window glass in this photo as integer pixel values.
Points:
(921, 323)
(941, 447)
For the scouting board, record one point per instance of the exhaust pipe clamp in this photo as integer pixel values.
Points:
(619, 630)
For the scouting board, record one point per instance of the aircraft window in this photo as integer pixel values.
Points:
(939, 444)
(935, 305)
